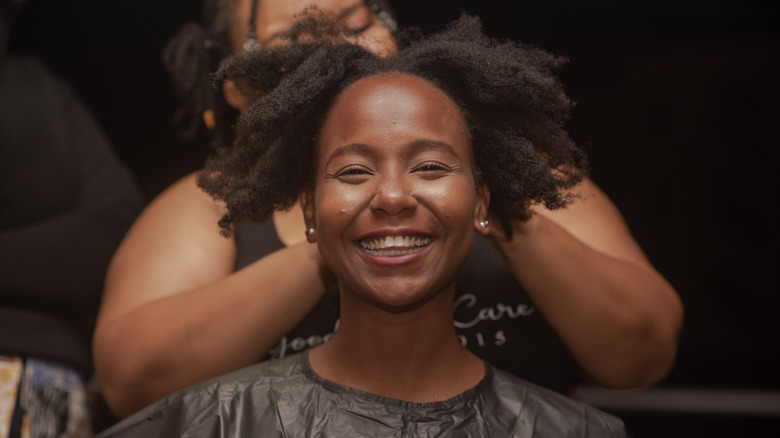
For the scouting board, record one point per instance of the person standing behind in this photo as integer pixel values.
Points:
(395, 182)
(570, 294)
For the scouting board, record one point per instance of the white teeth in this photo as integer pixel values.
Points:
(394, 246)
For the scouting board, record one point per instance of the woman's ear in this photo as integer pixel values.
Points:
(482, 210)
(234, 97)
(306, 200)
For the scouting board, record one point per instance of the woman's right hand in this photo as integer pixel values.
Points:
(174, 312)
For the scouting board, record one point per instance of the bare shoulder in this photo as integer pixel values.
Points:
(180, 201)
(595, 221)
(174, 245)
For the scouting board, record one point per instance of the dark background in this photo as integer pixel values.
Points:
(678, 107)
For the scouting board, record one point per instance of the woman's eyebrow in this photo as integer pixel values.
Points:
(432, 145)
(343, 13)
(352, 148)
(422, 144)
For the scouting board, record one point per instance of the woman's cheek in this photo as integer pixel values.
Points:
(340, 202)
(452, 199)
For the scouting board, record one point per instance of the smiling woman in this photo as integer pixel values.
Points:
(402, 159)
(586, 301)
(394, 205)
(395, 198)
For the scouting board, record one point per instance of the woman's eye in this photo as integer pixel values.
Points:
(353, 171)
(431, 168)
(358, 30)
(358, 21)
(353, 174)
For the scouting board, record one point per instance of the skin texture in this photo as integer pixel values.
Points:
(387, 164)
(394, 159)
(174, 313)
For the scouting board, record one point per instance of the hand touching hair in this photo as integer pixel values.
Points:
(514, 106)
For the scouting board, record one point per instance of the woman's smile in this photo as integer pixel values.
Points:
(394, 248)
(390, 246)
(395, 200)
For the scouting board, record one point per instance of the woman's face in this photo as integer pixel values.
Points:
(395, 202)
(277, 16)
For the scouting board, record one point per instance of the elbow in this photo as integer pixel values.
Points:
(653, 364)
(661, 335)
(124, 376)
(648, 352)
(120, 396)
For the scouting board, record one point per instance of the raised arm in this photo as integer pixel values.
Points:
(174, 313)
(590, 279)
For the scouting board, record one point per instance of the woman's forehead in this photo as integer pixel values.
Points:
(399, 85)
(393, 103)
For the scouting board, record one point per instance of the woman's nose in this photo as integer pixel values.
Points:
(393, 196)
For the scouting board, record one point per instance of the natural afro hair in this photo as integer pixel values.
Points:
(513, 104)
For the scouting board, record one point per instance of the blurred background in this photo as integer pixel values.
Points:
(678, 107)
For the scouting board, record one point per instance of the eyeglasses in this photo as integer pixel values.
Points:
(381, 12)
(251, 39)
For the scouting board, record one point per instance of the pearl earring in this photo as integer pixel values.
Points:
(484, 223)
(310, 231)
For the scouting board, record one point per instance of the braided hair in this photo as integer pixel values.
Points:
(513, 104)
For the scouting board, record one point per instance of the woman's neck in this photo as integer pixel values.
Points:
(413, 356)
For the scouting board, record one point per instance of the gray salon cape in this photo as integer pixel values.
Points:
(286, 398)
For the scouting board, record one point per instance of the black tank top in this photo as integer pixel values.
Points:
(494, 317)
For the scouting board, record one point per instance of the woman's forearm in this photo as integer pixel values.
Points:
(620, 320)
(617, 315)
(181, 339)
(175, 313)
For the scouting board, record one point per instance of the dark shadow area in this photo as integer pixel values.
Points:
(111, 54)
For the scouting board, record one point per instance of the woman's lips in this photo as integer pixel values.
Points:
(392, 246)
